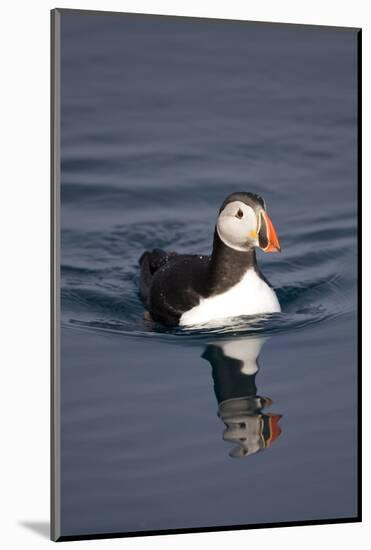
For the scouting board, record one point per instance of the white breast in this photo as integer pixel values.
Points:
(251, 296)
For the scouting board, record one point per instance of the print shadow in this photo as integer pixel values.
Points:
(42, 528)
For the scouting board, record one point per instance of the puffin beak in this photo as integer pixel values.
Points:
(268, 240)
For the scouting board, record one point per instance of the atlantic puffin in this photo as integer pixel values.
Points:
(189, 290)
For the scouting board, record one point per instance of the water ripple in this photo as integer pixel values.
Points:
(100, 280)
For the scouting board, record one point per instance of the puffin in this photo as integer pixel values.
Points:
(191, 290)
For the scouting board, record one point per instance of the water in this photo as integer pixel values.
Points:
(161, 119)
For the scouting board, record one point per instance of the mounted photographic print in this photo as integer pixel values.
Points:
(205, 241)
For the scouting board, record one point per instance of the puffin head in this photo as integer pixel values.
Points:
(243, 223)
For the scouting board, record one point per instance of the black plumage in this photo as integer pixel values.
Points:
(171, 284)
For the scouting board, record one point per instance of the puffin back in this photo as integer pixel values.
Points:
(150, 262)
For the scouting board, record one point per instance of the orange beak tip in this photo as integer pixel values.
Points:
(273, 242)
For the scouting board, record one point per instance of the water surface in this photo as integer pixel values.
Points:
(161, 119)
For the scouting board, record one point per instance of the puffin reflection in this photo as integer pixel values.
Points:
(234, 368)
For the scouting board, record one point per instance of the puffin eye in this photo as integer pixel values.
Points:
(239, 214)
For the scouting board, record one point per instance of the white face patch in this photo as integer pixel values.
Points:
(237, 226)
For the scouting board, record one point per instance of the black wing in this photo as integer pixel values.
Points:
(150, 262)
(172, 283)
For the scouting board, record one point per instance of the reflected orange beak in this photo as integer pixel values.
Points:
(275, 428)
(267, 234)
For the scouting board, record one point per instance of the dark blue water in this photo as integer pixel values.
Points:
(161, 119)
